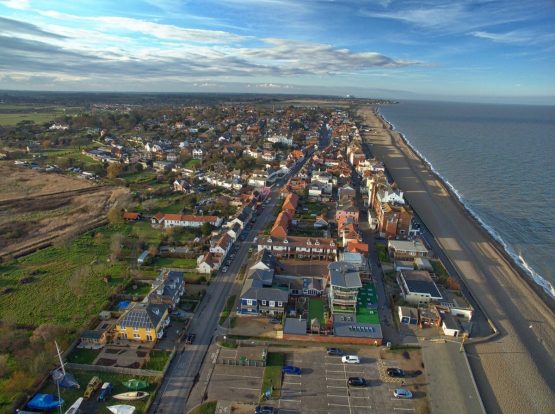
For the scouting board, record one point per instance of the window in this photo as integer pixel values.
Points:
(264, 303)
(149, 337)
(280, 304)
(135, 329)
(136, 336)
(272, 303)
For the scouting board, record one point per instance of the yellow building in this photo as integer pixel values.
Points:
(143, 322)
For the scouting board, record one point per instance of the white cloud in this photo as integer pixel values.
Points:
(17, 4)
(517, 37)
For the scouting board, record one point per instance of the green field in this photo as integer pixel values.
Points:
(192, 163)
(67, 286)
(12, 114)
(83, 356)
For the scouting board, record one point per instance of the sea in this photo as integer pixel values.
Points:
(500, 161)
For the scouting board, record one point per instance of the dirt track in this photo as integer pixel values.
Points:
(515, 372)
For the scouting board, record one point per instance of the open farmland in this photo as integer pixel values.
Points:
(40, 208)
(13, 114)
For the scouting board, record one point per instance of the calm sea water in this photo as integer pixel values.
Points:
(500, 160)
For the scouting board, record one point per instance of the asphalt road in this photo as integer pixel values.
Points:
(186, 366)
(515, 372)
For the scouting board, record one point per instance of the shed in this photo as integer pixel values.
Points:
(408, 315)
(143, 258)
(423, 264)
(294, 326)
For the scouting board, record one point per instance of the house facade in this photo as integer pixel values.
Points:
(143, 322)
(295, 247)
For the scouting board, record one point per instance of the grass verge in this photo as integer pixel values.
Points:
(272, 373)
(206, 408)
(227, 310)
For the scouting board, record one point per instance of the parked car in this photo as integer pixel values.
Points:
(94, 384)
(224, 270)
(335, 351)
(357, 382)
(275, 321)
(190, 339)
(402, 393)
(105, 391)
(291, 370)
(264, 409)
(350, 359)
(395, 372)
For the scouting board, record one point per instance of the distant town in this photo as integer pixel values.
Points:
(238, 256)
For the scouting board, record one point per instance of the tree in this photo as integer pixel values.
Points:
(206, 229)
(114, 215)
(114, 170)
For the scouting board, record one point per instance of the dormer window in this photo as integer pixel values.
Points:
(269, 240)
(317, 243)
(286, 241)
(308, 243)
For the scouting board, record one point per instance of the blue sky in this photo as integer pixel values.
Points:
(487, 50)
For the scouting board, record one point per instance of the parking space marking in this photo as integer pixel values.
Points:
(336, 386)
(335, 379)
(404, 409)
(291, 383)
(289, 400)
(340, 396)
(330, 363)
(234, 375)
(334, 372)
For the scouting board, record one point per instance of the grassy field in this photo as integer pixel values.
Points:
(83, 377)
(12, 114)
(157, 360)
(67, 285)
(383, 256)
(272, 373)
(191, 163)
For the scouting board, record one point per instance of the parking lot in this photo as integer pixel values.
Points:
(322, 386)
(236, 383)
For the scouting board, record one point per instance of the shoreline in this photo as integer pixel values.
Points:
(521, 352)
(544, 288)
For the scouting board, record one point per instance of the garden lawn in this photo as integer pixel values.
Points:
(83, 377)
(316, 310)
(192, 163)
(175, 262)
(272, 373)
(67, 287)
(83, 356)
(145, 230)
(157, 360)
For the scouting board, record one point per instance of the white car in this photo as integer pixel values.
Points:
(350, 359)
(224, 270)
(402, 393)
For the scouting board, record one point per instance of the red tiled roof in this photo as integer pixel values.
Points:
(189, 217)
(131, 216)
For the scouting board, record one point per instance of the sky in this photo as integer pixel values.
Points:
(462, 50)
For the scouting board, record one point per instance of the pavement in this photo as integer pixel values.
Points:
(522, 354)
(451, 388)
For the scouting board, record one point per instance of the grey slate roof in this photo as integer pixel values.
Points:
(266, 277)
(262, 293)
(344, 275)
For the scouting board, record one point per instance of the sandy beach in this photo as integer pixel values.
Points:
(515, 371)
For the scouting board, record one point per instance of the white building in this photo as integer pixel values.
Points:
(280, 139)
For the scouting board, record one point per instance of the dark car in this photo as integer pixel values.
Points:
(357, 382)
(190, 338)
(290, 369)
(395, 372)
(335, 351)
(105, 391)
(264, 409)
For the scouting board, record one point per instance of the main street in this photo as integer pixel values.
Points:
(186, 365)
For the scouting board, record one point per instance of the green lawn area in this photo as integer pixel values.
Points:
(36, 117)
(176, 262)
(227, 310)
(191, 163)
(316, 310)
(367, 294)
(206, 408)
(272, 373)
(83, 356)
(142, 177)
(147, 232)
(142, 289)
(68, 287)
(157, 360)
(439, 269)
(83, 377)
